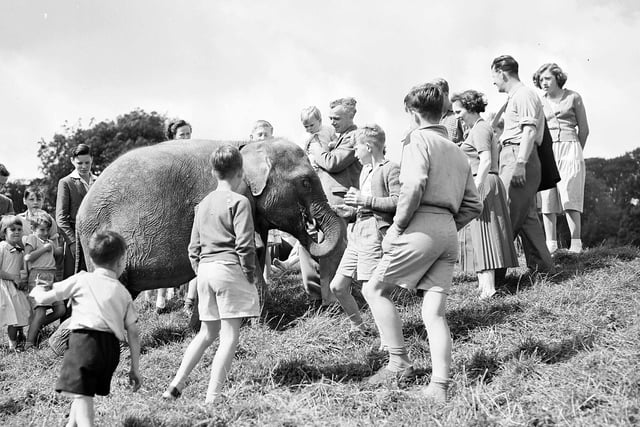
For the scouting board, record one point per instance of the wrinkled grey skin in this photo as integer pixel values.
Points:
(148, 195)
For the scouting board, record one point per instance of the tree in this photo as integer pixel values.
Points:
(107, 139)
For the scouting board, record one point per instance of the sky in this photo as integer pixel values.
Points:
(221, 65)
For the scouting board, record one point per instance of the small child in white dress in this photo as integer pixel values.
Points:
(14, 306)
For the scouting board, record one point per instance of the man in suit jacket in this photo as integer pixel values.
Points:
(6, 204)
(338, 170)
(71, 190)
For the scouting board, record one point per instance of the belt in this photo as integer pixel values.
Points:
(506, 143)
(364, 214)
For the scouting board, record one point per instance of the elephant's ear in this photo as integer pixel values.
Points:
(257, 167)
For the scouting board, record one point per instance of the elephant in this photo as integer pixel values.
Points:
(149, 194)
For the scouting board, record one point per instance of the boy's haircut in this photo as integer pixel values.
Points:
(311, 113)
(33, 190)
(505, 63)
(442, 84)
(371, 133)
(173, 126)
(262, 124)
(39, 219)
(226, 161)
(9, 221)
(106, 247)
(349, 104)
(81, 150)
(3, 170)
(426, 99)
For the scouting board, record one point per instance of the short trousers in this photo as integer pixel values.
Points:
(225, 293)
(423, 256)
(364, 249)
(89, 363)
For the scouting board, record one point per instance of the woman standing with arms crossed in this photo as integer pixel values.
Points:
(491, 233)
(567, 121)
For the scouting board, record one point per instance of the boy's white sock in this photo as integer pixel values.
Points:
(552, 245)
(576, 246)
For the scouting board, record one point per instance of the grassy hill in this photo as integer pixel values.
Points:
(564, 350)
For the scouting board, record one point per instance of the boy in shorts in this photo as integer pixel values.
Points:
(102, 312)
(437, 198)
(222, 252)
(372, 207)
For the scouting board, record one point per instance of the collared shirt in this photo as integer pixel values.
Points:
(87, 185)
(523, 109)
(434, 172)
(99, 302)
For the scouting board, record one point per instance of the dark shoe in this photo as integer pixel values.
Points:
(387, 377)
(171, 393)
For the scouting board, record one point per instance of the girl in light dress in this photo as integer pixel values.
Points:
(14, 306)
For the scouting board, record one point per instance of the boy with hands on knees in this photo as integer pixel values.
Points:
(102, 314)
(372, 207)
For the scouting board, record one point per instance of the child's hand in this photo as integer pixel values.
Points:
(344, 211)
(354, 197)
(135, 380)
(48, 246)
(27, 258)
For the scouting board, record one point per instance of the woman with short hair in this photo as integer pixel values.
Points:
(567, 121)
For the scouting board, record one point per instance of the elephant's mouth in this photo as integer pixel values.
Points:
(311, 227)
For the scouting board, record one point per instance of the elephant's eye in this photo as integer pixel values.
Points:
(305, 183)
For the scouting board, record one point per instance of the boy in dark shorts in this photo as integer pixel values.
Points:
(102, 312)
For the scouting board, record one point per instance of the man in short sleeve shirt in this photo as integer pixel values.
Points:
(519, 163)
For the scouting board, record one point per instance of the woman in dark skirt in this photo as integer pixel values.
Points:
(491, 235)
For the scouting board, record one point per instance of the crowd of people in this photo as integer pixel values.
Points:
(465, 188)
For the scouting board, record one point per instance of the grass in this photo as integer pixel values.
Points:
(555, 351)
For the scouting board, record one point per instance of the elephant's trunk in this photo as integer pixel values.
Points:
(331, 227)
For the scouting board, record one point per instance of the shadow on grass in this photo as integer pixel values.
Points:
(13, 406)
(162, 335)
(556, 352)
(462, 321)
(483, 366)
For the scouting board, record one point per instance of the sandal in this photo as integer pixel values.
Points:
(171, 393)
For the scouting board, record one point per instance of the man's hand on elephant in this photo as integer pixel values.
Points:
(519, 174)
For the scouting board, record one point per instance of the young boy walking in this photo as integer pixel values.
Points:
(222, 252)
(372, 207)
(102, 312)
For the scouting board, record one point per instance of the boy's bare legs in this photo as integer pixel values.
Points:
(435, 321)
(229, 335)
(204, 338)
(341, 288)
(389, 323)
(82, 413)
